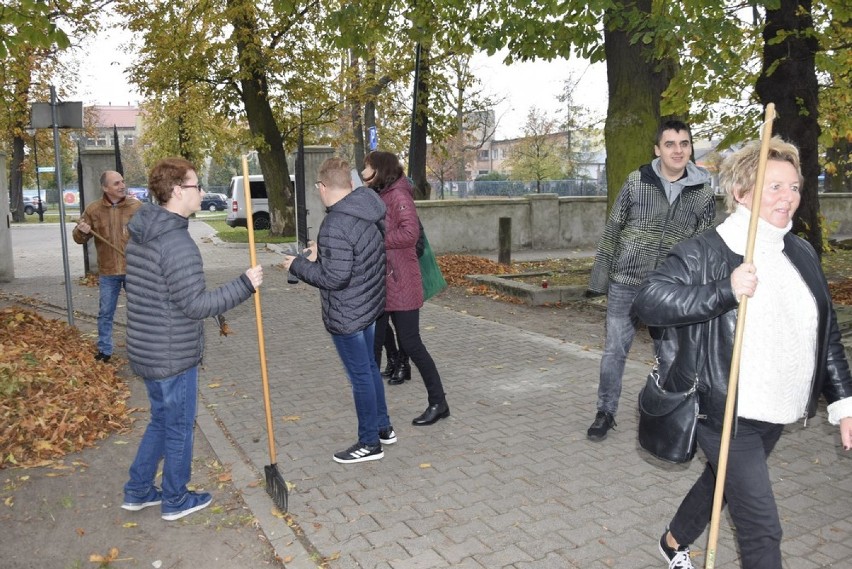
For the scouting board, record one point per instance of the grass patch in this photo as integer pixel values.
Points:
(240, 234)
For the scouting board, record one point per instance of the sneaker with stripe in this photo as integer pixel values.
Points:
(359, 453)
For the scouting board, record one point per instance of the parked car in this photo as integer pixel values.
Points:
(140, 194)
(213, 202)
(259, 202)
(31, 205)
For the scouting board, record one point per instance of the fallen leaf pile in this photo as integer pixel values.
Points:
(54, 397)
(841, 292)
(455, 268)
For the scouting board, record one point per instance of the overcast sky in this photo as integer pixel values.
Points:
(522, 85)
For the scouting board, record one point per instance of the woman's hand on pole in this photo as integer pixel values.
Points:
(744, 280)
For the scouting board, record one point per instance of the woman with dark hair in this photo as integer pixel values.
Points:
(383, 172)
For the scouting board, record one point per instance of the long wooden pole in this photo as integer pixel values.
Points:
(107, 241)
(733, 378)
(260, 341)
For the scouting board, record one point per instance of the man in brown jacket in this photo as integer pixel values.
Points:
(106, 220)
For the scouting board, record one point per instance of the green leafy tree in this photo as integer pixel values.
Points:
(835, 98)
(30, 24)
(251, 64)
(636, 41)
(579, 126)
(539, 155)
(27, 71)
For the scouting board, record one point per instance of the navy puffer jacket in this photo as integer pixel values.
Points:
(350, 267)
(167, 299)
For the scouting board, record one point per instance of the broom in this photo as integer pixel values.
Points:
(276, 487)
(733, 378)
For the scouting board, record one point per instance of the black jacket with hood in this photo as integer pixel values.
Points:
(350, 266)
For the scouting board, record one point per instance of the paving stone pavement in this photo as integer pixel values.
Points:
(508, 481)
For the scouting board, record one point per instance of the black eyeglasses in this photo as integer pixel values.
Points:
(198, 187)
(319, 183)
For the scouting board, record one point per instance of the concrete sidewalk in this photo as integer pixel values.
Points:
(508, 481)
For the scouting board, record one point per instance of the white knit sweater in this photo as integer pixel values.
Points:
(779, 339)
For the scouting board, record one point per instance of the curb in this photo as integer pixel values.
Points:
(292, 552)
(531, 294)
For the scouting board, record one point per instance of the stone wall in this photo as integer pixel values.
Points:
(546, 221)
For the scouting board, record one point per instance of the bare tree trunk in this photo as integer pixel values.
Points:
(636, 84)
(16, 180)
(792, 86)
(254, 92)
(420, 128)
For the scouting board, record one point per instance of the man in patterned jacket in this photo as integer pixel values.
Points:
(661, 203)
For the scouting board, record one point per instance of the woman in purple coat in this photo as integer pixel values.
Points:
(383, 172)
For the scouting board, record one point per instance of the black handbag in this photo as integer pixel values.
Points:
(667, 419)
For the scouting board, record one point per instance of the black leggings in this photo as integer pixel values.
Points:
(407, 325)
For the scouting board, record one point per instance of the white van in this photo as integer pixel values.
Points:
(259, 202)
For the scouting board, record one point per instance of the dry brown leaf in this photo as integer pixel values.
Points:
(54, 398)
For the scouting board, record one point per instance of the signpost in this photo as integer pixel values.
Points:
(59, 115)
(373, 138)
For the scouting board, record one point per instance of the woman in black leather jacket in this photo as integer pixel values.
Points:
(791, 352)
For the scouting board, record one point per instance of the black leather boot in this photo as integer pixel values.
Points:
(402, 373)
(390, 368)
(432, 415)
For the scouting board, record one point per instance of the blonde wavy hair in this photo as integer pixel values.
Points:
(739, 170)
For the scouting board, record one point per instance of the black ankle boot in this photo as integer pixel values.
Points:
(402, 373)
(390, 368)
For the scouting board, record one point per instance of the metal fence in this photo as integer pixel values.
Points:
(510, 188)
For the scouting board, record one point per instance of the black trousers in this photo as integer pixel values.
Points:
(748, 493)
(391, 349)
(407, 325)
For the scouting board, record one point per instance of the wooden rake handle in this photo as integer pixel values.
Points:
(259, 315)
(730, 402)
(105, 240)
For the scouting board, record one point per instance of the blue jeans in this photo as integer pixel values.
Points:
(748, 493)
(168, 437)
(356, 353)
(621, 325)
(109, 288)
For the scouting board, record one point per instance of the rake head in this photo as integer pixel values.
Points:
(276, 486)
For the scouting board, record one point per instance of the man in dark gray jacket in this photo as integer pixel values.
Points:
(167, 301)
(659, 205)
(347, 264)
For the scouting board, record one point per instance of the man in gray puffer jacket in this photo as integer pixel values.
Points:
(347, 264)
(167, 302)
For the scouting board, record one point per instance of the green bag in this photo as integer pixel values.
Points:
(430, 272)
